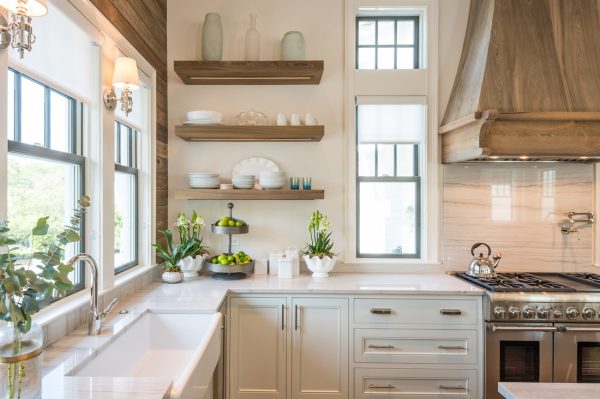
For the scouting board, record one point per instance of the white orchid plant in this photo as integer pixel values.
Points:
(320, 232)
(190, 230)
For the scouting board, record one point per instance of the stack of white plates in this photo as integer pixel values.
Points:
(203, 118)
(204, 180)
(272, 180)
(243, 181)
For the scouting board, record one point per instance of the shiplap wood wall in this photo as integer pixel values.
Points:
(144, 24)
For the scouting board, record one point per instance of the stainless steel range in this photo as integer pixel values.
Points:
(540, 327)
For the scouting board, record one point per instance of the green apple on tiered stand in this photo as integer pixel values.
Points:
(229, 265)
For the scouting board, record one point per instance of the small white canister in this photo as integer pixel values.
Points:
(274, 256)
(293, 254)
(286, 268)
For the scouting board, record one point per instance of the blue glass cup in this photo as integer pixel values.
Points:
(307, 183)
(295, 183)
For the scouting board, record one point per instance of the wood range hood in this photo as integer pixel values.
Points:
(528, 84)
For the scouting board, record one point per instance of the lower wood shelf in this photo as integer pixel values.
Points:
(239, 194)
(249, 133)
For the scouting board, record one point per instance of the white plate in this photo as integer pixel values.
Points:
(253, 166)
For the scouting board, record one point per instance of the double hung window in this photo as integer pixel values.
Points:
(45, 167)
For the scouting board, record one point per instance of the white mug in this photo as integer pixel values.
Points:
(295, 120)
(281, 119)
(310, 120)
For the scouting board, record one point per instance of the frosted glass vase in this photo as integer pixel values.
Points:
(252, 41)
(212, 37)
(292, 47)
(20, 362)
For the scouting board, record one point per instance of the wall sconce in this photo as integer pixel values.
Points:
(125, 78)
(19, 33)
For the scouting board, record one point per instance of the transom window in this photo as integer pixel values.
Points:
(390, 133)
(45, 167)
(126, 194)
(387, 42)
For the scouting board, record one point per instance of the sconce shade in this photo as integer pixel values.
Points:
(35, 8)
(126, 74)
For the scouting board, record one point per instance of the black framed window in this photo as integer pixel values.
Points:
(45, 168)
(126, 197)
(388, 177)
(387, 42)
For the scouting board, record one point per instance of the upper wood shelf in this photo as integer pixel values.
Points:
(249, 133)
(252, 194)
(250, 72)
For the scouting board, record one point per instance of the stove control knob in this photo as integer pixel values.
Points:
(500, 312)
(543, 313)
(572, 313)
(588, 313)
(528, 312)
(513, 312)
(557, 313)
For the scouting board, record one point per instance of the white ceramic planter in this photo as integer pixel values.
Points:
(191, 265)
(172, 277)
(320, 266)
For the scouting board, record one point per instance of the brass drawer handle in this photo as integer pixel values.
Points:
(451, 312)
(449, 347)
(388, 386)
(452, 387)
(381, 310)
(382, 347)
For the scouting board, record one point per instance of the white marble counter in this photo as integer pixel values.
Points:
(206, 295)
(548, 390)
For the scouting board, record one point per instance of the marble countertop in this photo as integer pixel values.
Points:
(548, 390)
(206, 295)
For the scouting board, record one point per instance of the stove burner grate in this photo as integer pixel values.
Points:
(585, 278)
(516, 282)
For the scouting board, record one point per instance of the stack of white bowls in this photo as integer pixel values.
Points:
(204, 180)
(272, 180)
(243, 181)
(203, 117)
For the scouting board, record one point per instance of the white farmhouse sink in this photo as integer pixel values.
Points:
(182, 346)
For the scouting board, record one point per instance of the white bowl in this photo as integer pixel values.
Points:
(272, 175)
(204, 115)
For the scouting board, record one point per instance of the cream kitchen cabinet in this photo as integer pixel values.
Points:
(288, 347)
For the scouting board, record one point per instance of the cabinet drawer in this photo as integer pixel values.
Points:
(415, 346)
(412, 383)
(416, 311)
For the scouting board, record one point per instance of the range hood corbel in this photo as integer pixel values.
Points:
(528, 84)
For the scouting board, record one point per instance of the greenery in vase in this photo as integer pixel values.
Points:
(320, 232)
(190, 242)
(32, 272)
(191, 229)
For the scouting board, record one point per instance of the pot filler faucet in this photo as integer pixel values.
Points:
(94, 318)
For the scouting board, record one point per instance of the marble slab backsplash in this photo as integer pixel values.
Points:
(518, 209)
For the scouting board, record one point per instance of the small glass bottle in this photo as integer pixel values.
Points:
(252, 41)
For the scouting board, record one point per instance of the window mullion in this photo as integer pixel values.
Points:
(18, 107)
(47, 114)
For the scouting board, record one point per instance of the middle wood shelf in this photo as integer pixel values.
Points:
(249, 133)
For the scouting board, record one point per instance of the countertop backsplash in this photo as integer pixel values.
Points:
(517, 208)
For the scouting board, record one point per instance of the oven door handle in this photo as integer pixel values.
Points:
(524, 328)
(580, 329)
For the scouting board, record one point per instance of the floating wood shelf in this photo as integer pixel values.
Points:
(253, 194)
(250, 72)
(249, 133)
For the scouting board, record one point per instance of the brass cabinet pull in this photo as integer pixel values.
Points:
(449, 347)
(381, 310)
(388, 386)
(382, 347)
(451, 312)
(452, 387)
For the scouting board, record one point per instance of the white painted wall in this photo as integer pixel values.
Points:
(279, 224)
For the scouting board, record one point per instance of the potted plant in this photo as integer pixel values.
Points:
(32, 273)
(318, 253)
(191, 229)
(172, 255)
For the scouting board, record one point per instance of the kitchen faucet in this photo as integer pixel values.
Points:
(94, 318)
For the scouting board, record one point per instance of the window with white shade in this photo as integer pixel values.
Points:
(389, 134)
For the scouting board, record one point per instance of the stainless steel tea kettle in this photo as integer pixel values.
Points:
(483, 266)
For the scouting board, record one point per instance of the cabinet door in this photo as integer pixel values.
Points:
(319, 348)
(257, 348)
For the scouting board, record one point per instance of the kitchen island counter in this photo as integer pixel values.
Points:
(548, 390)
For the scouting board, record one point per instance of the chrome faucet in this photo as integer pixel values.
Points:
(94, 318)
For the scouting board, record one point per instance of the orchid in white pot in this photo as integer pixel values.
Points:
(318, 254)
(190, 230)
